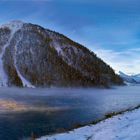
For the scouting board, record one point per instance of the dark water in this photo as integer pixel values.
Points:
(52, 110)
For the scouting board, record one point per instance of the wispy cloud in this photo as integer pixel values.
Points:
(127, 61)
(108, 27)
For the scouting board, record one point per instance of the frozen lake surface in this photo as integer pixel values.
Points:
(43, 111)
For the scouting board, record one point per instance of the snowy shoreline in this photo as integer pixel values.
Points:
(123, 125)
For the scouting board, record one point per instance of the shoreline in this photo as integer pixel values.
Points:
(107, 118)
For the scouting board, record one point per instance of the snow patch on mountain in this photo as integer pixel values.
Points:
(130, 78)
(25, 82)
(136, 78)
(14, 26)
(65, 50)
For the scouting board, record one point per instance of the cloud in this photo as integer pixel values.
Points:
(112, 26)
(127, 61)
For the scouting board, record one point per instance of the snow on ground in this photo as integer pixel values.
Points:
(120, 127)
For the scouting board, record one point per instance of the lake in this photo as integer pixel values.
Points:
(26, 111)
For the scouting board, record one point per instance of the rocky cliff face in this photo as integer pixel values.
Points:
(33, 56)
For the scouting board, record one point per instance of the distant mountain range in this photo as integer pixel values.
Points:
(31, 55)
(130, 78)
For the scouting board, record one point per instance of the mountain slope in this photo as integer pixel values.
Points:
(33, 56)
(130, 78)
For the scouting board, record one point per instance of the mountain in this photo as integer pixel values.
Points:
(130, 78)
(31, 55)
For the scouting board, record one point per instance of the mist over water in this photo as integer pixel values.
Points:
(42, 111)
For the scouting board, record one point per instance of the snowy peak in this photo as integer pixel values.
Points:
(13, 25)
(135, 78)
(123, 74)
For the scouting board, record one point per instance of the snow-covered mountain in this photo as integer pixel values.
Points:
(130, 78)
(31, 55)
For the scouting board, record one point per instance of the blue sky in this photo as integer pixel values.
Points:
(111, 28)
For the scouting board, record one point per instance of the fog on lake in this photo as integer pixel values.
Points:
(42, 111)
